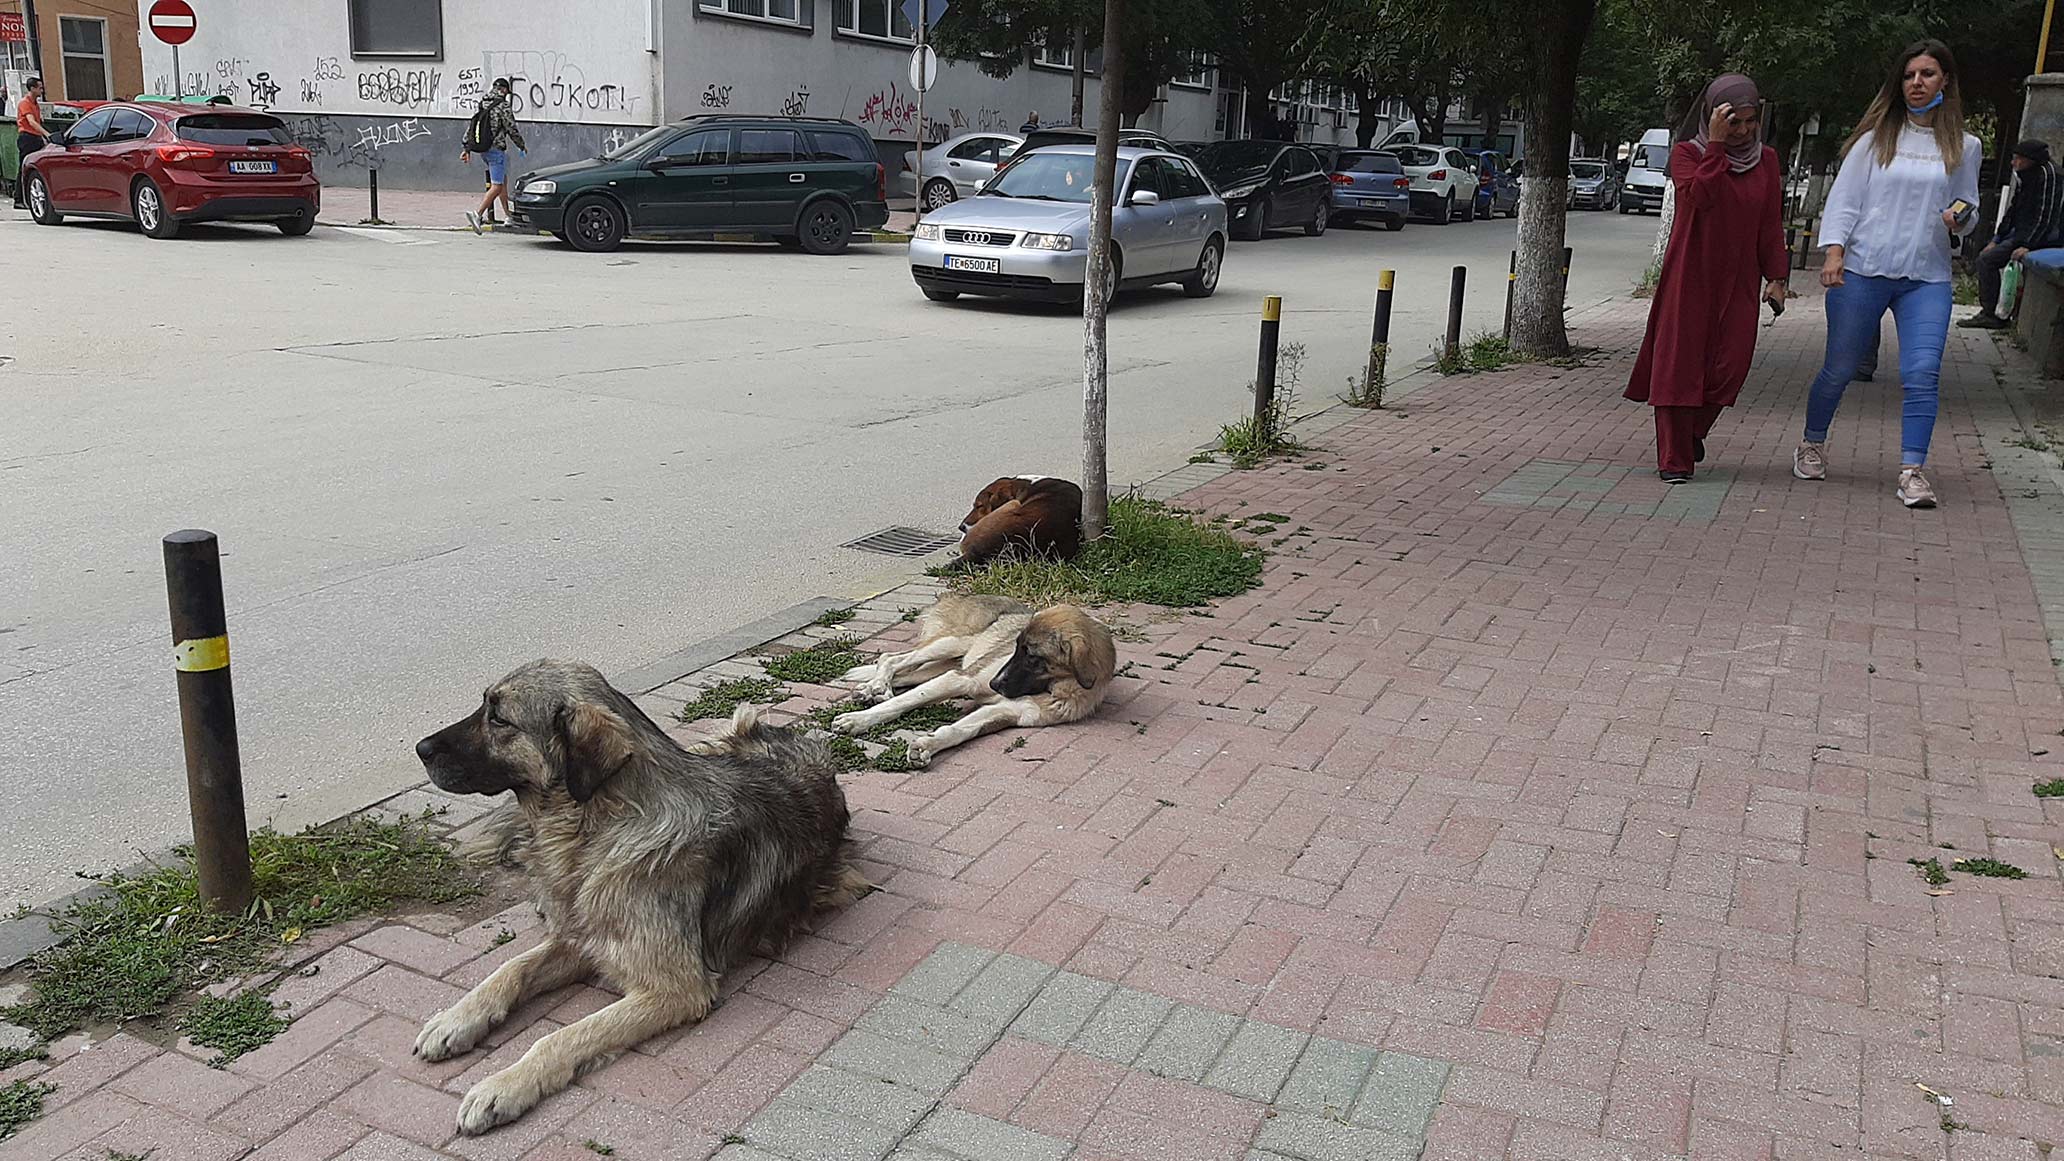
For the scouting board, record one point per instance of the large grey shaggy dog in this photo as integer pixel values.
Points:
(657, 867)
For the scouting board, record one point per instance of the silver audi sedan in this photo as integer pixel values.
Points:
(1025, 233)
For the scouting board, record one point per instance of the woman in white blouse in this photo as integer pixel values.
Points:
(1887, 228)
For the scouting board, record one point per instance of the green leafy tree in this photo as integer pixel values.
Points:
(1159, 36)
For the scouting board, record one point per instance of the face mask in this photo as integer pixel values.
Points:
(1917, 110)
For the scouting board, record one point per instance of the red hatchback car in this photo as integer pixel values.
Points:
(162, 165)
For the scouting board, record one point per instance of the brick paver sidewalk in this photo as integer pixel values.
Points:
(1530, 810)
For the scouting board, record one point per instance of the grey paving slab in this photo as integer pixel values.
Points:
(948, 1033)
(978, 1138)
(1188, 1044)
(942, 974)
(1257, 1061)
(996, 995)
(1062, 1007)
(1328, 1077)
(872, 1054)
(1401, 1093)
(1121, 1028)
(1314, 1138)
(794, 1130)
(869, 1098)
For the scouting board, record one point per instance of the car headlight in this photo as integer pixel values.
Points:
(1048, 241)
(928, 231)
(1239, 191)
(540, 187)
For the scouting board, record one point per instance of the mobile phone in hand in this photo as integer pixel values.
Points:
(1963, 212)
(1776, 306)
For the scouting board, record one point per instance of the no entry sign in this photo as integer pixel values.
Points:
(172, 21)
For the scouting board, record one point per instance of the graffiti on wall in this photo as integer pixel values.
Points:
(331, 142)
(889, 110)
(983, 120)
(376, 137)
(716, 96)
(553, 84)
(797, 103)
(616, 139)
(264, 91)
(403, 87)
(466, 89)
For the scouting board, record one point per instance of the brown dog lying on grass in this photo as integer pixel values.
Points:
(1021, 668)
(1035, 515)
(656, 867)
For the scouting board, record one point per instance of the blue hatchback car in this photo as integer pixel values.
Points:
(1369, 184)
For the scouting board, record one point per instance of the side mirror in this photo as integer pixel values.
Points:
(1143, 197)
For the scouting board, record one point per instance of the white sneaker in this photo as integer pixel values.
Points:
(1809, 461)
(473, 220)
(1914, 490)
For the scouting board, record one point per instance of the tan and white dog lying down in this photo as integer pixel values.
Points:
(1021, 668)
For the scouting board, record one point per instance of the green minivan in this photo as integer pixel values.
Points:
(804, 181)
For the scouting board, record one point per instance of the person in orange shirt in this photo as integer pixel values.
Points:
(28, 126)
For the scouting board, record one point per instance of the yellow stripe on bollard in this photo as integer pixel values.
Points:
(1272, 308)
(1386, 279)
(201, 655)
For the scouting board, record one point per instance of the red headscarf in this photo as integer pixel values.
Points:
(1739, 91)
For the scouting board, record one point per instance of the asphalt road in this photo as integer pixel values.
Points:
(432, 456)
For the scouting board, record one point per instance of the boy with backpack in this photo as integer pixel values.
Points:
(489, 134)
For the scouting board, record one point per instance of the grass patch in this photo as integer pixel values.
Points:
(1650, 277)
(1366, 389)
(2031, 442)
(1485, 352)
(1254, 438)
(820, 664)
(234, 1026)
(135, 951)
(1203, 458)
(20, 1103)
(830, 617)
(9, 1057)
(597, 1147)
(1963, 288)
(1988, 868)
(2054, 788)
(895, 757)
(1931, 871)
(719, 700)
(1152, 554)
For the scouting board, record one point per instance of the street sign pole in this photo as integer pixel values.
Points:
(917, 204)
(178, 82)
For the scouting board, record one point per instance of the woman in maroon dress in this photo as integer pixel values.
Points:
(1726, 237)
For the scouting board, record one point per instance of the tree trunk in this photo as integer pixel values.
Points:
(1436, 132)
(1081, 52)
(1538, 298)
(1096, 485)
(1493, 120)
(1365, 115)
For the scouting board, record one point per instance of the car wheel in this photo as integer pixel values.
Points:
(1204, 279)
(298, 225)
(594, 225)
(41, 207)
(938, 193)
(1446, 213)
(147, 205)
(1468, 213)
(827, 227)
(939, 295)
(1513, 210)
(1320, 217)
(1394, 224)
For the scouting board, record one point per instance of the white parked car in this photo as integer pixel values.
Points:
(1443, 183)
(957, 166)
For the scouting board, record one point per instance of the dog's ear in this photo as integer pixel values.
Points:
(1091, 659)
(598, 746)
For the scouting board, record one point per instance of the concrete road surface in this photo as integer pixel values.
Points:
(433, 456)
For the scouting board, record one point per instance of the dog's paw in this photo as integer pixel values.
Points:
(849, 723)
(859, 672)
(921, 751)
(875, 689)
(499, 1099)
(449, 1033)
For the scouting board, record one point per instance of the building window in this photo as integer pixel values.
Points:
(1059, 55)
(1193, 71)
(85, 58)
(397, 28)
(881, 19)
(776, 11)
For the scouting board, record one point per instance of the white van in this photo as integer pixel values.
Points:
(1648, 173)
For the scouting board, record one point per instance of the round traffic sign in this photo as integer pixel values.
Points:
(171, 21)
(924, 68)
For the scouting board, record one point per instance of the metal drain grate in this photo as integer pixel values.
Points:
(903, 542)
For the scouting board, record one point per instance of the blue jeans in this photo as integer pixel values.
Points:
(1920, 312)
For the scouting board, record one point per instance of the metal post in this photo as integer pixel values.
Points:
(373, 210)
(1511, 283)
(917, 203)
(2042, 46)
(1265, 365)
(207, 719)
(1379, 333)
(1567, 253)
(178, 81)
(1460, 279)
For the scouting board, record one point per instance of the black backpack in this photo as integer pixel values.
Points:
(479, 136)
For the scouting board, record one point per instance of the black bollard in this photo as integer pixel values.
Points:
(1511, 284)
(1455, 288)
(207, 719)
(1379, 332)
(1265, 366)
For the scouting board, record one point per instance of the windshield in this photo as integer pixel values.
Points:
(1368, 163)
(1586, 169)
(1236, 156)
(1050, 177)
(1414, 155)
(636, 143)
(1651, 157)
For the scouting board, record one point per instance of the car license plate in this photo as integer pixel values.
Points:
(1367, 202)
(254, 167)
(977, 265)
